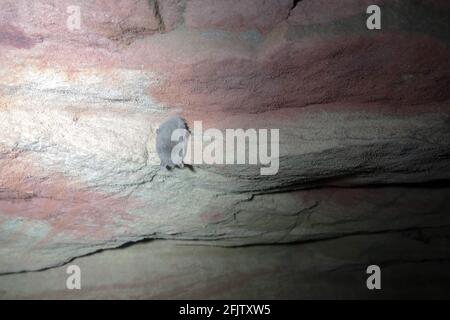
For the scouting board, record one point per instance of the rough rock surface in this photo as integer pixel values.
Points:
(355, 108)
(414, 264)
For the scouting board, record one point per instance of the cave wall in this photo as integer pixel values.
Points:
(363, 118)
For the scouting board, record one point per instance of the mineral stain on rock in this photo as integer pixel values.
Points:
(14, 37)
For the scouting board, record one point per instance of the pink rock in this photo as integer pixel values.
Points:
(101, 21)
(171, 12)
(236, 15)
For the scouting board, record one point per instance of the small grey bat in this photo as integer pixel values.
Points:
(171, 153)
